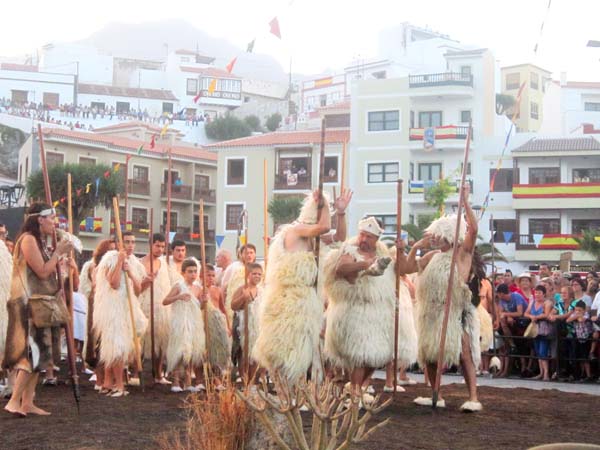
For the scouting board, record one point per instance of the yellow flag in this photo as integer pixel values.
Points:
(55, 204)
(243, 240)
(164, 129)
(87, 188)
(117, 167)
(212, 86)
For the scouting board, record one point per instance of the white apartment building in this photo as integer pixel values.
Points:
(23, 83)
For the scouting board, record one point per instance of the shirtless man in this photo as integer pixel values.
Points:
(178, 254)
(462, 337)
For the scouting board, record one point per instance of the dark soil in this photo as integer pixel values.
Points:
(512, 419)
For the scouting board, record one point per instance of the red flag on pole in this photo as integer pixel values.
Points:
(152, 143)
(229, 66)
(274, 24)
(197, 97)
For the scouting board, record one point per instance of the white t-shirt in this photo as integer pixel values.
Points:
(596, 302)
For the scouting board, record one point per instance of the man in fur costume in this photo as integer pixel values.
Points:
(162, 285)
(360, 285)
(291, 315)
(178, 255)
(462, 337)
(111, 311)
(5, 269)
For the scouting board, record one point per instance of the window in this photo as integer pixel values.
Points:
(534, 111)
(53, 159)
(503, 181)
(586, 175)
(465, 71)
(500, 226)
(50, 99)
(381, 75)
(411, 170)
(384, 120)
(388, 222)
(468, 168)
(544, 226)
(578, 226)
(513, 81)
(534, 80)
(323, 100)
(167, 107)
(202, 181)
(382, 172)
(98, 105)
(331, 169)
(412, 119)
(544, 175)
(173, 223)
(139, 218)
(235, 172)
(592, 106)
(246, 99)
(191, 86)
(430, 171)
(140, 173)
(232, 216)
(430, 119)
(465, 116)
(83, 161)
(122, 107)
(196, 224)
(174, 176)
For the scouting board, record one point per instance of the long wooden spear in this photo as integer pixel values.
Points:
(245, 355)
(136, 341)
(438, 373)
(69, 324)
(204, 288)
(168, 224)
(70, 225)
(320, 192)
(398, 255)
(152, 347)
(265, 215)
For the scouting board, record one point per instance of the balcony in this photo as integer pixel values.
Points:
(547, 242)
(545, 196)
(440, 79)
(91, 225)
(138, 187)
(448, 133)
(421, 187)
(186, 234)
(141, 230)
(208, 195)
(293, 181)
(178, 192)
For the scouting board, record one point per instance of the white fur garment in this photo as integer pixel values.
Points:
(5, 279)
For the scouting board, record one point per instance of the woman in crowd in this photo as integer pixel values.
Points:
(561, 312)
(525, 284)
(579, 290)
(539, 311)
(29, 347)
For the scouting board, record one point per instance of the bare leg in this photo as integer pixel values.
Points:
(108, 381)
(469, 372)
(21, 383)
(117, 370)
(389, 375)
(27, 399)
(431, 375)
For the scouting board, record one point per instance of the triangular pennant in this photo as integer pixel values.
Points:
(242, 240)
(153, 141)
(212, 86)
(87, 188)
(197, 97)
(274, 24)
(172, 235)
(107, 174)
(164, 129)
(117, 167)
(537, 238)
(507, 236)
(231, 64)
(250, 47)
(219, 238)
(139, 150)
(97, 186)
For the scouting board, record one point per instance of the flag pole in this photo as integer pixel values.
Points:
(438, 373)
(69, 325)
(204, 289)
(70, 225)
(168, 224)
(152, 320)
(126, 194)
(397, 302)
(246, 356)
(265, 214)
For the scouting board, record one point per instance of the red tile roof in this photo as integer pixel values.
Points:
(21, 67)
(121, 143)
(209, 72)
(306, 137)
(116, 91)
(133, 124)
(558, 145)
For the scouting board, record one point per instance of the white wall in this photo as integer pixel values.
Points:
(154, 107)
(36, 83)
(94, 67)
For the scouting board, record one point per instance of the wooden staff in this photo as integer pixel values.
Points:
(344, 152)
(168, 224)
(245, 355)
(152, 347)
(136, 341)
(70, 225)
(398, 255)
(204, 288)
(126, 194)
(438, 375)
(321, 200)
(265, 215)
(69, 324)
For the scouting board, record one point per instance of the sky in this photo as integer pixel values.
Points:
(328, 34)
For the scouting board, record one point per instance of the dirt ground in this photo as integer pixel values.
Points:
(512, 419)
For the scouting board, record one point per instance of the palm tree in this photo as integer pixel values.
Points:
(589, 244)
(485, 250)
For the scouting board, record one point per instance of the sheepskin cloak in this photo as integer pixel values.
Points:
(290, 320)
(487, 327)
(253, 315)
(235, 282)
(112, 321)
(360, 315)
(431, 297)
(220, 342)
(5, 269)
(186, 339)
(162, 313)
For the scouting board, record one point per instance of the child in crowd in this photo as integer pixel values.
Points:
(583, 331)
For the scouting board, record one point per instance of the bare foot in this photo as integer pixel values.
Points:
(35, 410)
(15, 411)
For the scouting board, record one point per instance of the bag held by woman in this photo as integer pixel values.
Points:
(47, 311)
(531, 331)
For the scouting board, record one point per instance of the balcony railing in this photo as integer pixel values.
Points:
(293, 181)
(440, 79)
(421, 187)
(138, 187)
(187, 235)
(208, 195)
(178, 191)
(546, 242)
(556, 190)
(140, 229)
(444, 132)
(91, 225)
